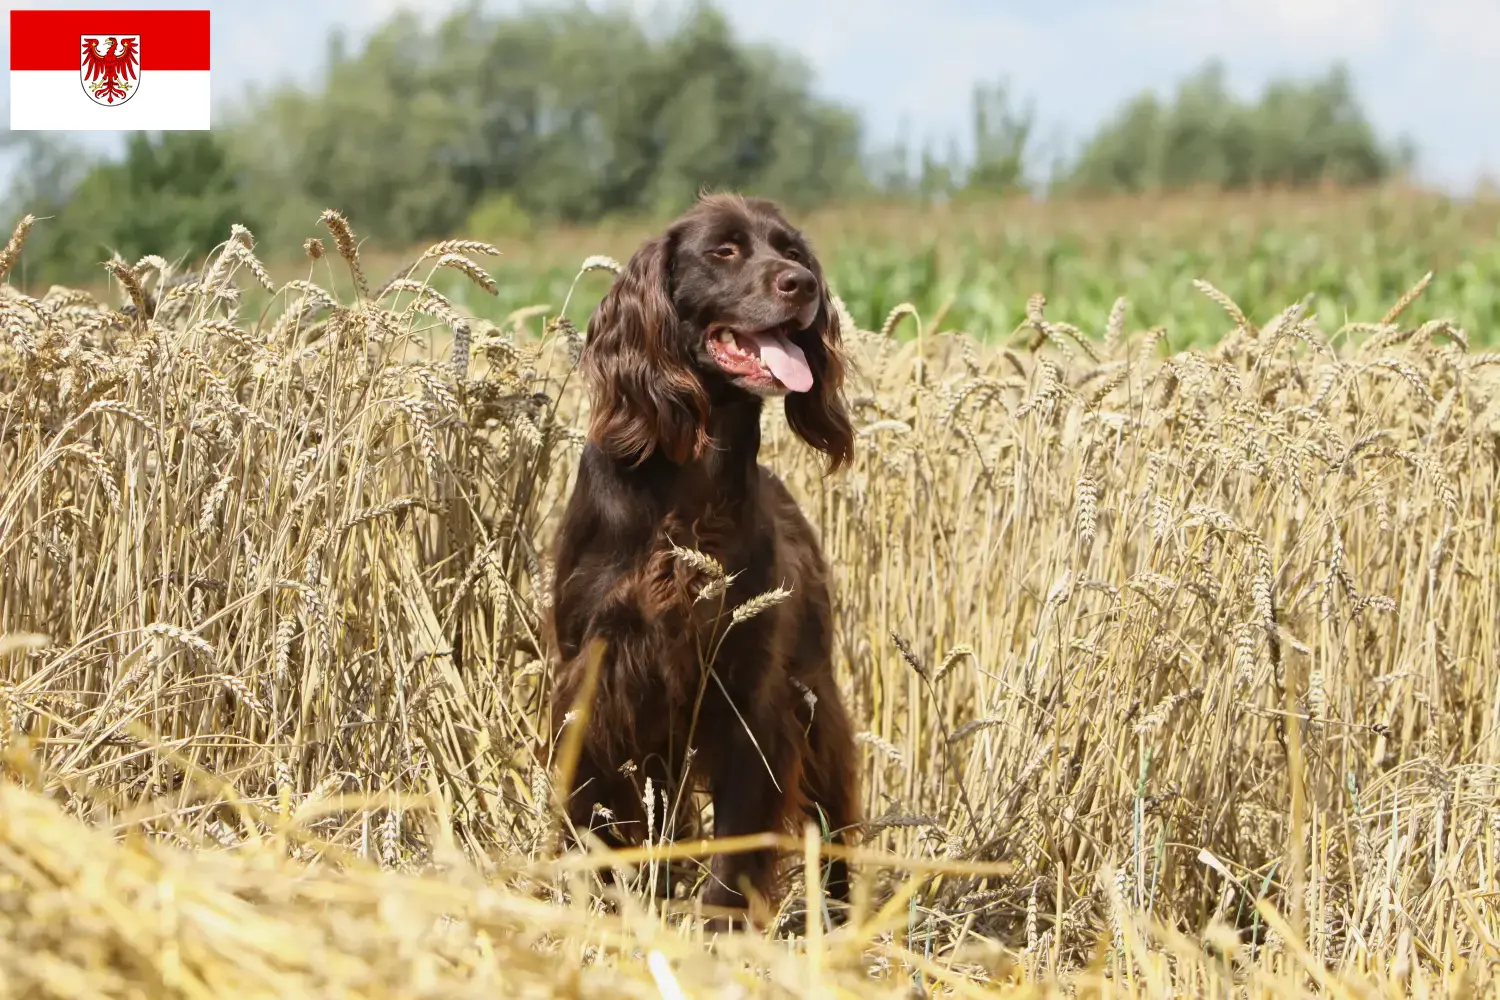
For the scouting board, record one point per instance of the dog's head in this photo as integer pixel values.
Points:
(729, 300)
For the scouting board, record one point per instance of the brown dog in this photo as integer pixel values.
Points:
(724, 309)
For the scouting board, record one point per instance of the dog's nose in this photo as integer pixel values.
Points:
(796, 283)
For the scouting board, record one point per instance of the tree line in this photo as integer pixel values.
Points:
(496, 123)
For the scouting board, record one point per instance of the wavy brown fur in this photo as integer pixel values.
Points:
(743, 702)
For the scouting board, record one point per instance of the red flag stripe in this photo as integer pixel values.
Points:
(52, 39)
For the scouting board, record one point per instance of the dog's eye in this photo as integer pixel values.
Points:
(726, 251)
(793, 253)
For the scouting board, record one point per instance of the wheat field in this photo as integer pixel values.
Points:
(1174, 674)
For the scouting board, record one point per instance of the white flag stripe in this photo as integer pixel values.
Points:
(165, 100)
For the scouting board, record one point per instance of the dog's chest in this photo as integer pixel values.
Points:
(705, 565)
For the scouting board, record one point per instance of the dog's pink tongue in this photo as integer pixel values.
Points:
(785, 359)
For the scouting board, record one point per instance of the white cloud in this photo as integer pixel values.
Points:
(1298, 27)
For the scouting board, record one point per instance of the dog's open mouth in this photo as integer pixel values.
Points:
(763, 356)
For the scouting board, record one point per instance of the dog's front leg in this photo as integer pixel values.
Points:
(755, 781)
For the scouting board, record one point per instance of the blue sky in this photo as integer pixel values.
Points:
(1426, 69)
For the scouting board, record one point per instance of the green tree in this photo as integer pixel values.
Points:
(1002, 141)
(997, 164)
(564, 114)
(1306, 133)
(1296, 134)
(45, 170)
(173, 194)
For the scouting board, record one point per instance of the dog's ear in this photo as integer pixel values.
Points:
(820, 416)
(643, 391)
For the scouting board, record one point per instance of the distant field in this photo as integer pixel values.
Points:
(972, 267)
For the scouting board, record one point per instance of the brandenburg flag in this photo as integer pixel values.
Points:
(91, 70)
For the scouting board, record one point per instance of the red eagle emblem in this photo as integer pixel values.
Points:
(112, 74)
